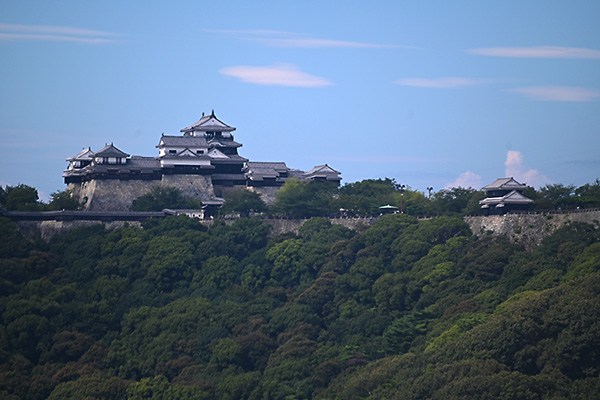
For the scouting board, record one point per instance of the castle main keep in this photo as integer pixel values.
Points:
(203, 163)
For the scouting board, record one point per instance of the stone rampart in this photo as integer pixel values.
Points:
(118, 195)
(267, 193)
(280, 226)
(526, 229)
(47, 229)
(529, 229)
(196, 186)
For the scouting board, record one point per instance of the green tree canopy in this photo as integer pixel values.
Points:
(21, 198)
(63, 200)
(161, 197)
(302, 199)
(244, 202)
(454, 200)
(404, 308)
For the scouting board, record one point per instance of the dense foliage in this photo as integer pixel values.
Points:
(366, 198)
(161, 197)
(403, 309)
(26, 198)
(244, 202)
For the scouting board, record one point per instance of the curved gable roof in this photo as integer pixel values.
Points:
(209, 123)
(110, 151)
(504, 184)
(85, 154)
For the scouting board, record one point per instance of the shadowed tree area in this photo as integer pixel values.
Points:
(161, 197)
(243, 202)
(402, 309)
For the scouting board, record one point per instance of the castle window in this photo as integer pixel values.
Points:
(172, 151)
(199, 151)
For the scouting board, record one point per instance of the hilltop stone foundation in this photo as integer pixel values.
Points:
(119, 195)
(528, 229)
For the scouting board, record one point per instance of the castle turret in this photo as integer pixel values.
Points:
(208, 126)
(505, 195)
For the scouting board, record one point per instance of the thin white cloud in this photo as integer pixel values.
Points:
(387, 159)
(278, 75)
(319, 43)
(558, 93)
(250, 32)
(443, 83)
(52, 38)
(538, 52)
(274, 38)
(466, 180)
(515, 167)
(18, 32)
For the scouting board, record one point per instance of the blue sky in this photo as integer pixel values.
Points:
(431, 93)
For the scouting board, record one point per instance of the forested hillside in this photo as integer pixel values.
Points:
(404, 309)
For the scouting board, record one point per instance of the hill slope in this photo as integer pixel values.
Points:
(404, 309)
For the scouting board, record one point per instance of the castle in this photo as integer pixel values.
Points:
(203, 163)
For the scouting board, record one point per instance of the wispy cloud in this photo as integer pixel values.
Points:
(443, 83)
(278, 75)
(17, 32)
(558, 93)
(538, 52)
(387, 159)
(319, 43)
(515, 167)
(466, 180)
(250, 32)
(274, 38)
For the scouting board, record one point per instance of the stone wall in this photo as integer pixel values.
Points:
(195, 186)
(48, 229)
(267, 193)
(223, 191)
(280, 226)
(528, 229)
(118, 195)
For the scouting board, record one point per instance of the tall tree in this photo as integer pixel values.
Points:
(21, 198)
(63, 200)
(302, 199)
(243, 201)
(453, 200)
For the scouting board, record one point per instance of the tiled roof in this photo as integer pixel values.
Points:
(275, 166)
(110, 151)
(195, 141)
(504, 184)
(209, 123)
(85, 154)
(183, 141)
(223, 143)
(513, 197)
(323, 171)
(143, 162)
(258, 171)
(229, 159)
